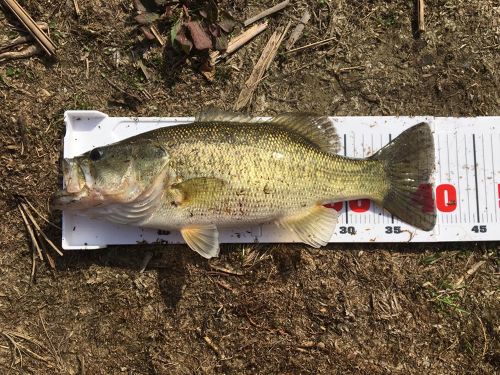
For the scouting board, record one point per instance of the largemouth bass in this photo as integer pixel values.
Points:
(228, 170)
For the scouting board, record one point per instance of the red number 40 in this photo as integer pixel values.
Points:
(446, 200)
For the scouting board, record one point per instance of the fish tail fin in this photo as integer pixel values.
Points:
(408, 163)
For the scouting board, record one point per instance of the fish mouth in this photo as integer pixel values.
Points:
(77, 184)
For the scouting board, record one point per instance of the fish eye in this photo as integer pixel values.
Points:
(96, 154)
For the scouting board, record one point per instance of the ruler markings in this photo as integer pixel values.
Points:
(495, 189)
(467, 178)
(440, 218)
(346, 204)
(475, 177)
(392, 216)
(486, 195)
(448, 158)
(440, 169)
(459, 197)
(448, 168)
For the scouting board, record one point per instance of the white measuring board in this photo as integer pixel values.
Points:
(466, 182)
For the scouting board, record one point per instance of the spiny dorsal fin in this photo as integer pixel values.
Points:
(204, 239)
(314, 226)
(213, 114)
(318, 130)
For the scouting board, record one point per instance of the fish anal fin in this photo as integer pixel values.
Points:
(319, 130)
(314, 226)
(204, 239)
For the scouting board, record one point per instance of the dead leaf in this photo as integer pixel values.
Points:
(146, 18)
(169, 11)
(227, 22)
(147, 33)
(182, 40)
(199, 37)
(211, 12)
(139, 6)
(208, 70)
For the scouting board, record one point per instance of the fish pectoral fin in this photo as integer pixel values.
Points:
(204, 239)
(198, 189)
(314, 227)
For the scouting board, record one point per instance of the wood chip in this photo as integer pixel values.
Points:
(238, 41)
(77, 8)
(260, 68)
(471, 271)
(420, 16)
(157, 35)
(298, 30)
(266, 13)
(29, 51)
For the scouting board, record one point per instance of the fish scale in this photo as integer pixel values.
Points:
(276, 171)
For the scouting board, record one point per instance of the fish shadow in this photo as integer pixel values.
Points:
(172, 263)
(175, 263)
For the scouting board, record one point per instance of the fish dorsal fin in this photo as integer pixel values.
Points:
(204, 239)
(318, 130)
(314, 226)
(213, 114)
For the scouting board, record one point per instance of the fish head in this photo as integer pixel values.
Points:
(117, 173)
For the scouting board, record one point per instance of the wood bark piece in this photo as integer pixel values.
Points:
(266, 13)
(47, 44)
(239, 41)
(265, 60)
(420, 16)
(298, 30)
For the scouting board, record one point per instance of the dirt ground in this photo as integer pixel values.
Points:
(281, 309)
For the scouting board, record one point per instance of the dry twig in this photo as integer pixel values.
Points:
(225, 270)
(77, 8)
(471, 271)
(267, 12)
(22, 54)
(157, 35)
(47, 239)
(324, 41)
(211, 344)
(40, 215)
(45, 42)
(238, 41)
(265, 60)
(420, 16)
(31, 233)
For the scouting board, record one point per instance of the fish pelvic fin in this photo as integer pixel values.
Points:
(314, 226)
(408, 163)
(204, 239)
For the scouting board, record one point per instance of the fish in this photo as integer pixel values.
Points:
(230, 170)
